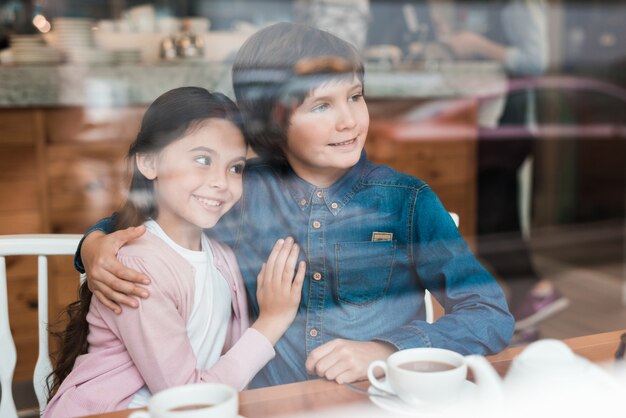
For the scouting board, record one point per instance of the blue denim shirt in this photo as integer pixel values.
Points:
(373, 242)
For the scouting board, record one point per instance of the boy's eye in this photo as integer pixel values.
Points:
(356, 97)
(203, 159)
(237, 168)
(320, 107)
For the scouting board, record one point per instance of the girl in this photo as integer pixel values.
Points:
(188, 160)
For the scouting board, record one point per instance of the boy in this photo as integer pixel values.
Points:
(373, 239)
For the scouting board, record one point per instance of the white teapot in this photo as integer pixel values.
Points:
(548, 379)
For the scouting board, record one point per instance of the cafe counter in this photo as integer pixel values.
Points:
(123, 85)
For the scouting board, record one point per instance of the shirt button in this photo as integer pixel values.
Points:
(303, 202)
(317, 276)
(334, 205)
(319, 194)
(316, 224)
(313, 333)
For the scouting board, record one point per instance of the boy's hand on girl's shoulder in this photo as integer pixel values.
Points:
(112, 283)
(346, 361)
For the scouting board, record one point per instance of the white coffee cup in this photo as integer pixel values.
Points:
(406, 375)
(200, 400)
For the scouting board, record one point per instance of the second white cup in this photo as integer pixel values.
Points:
(421, 375)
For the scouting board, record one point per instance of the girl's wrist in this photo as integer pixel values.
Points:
(271, 328)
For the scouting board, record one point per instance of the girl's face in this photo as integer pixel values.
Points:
(327, 132)
(197, 179)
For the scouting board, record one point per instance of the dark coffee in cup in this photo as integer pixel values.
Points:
(192, 407)
(426, 366)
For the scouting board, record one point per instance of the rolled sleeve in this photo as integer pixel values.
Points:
(105, 225)
(407, 337)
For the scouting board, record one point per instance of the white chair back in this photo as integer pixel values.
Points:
(428, 298)
(40, 245)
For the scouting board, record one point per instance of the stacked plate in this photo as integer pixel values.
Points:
(74, 37)
(31, 49)
(73, 33)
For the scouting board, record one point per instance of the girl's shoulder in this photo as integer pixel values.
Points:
(147, 245)
(152, 256)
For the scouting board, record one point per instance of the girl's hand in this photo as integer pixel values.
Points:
(109, 280)
(278, 291)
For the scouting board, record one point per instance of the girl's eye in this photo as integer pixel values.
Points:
(237, 169)
(320, 108)
(203, 159)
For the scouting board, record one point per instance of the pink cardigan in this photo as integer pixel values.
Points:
(149, 345)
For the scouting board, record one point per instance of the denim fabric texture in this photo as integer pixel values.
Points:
(357, 287)
(373, 242)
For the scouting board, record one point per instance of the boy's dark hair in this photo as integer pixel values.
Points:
(171, 116)
(275, 70)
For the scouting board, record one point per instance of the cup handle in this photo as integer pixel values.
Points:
(384, 386)
(139, 414)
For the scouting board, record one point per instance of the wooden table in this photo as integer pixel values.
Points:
(321, 395)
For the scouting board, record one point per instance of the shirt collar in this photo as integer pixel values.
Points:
(334, 197)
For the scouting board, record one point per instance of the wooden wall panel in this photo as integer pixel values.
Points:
(86, 183)
(446, 160)
(18, 126)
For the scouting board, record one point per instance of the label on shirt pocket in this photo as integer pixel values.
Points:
(363, 270)
(382, 236)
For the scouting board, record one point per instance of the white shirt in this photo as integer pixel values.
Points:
(208, 321)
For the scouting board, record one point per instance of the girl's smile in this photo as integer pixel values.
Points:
(208, 203)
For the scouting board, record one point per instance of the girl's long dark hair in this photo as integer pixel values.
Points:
(170, 117)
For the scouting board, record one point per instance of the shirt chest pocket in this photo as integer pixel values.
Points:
(363, 270)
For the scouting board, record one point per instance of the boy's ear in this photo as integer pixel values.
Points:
(146, 163)
(279, 114)
(281, 111)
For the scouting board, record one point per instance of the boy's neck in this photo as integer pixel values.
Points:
(321, 181)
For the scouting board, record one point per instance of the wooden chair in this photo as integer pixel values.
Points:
(40, 245)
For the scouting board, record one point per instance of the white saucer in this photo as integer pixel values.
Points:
(426, 410)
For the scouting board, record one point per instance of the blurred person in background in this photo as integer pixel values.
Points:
(513, 33)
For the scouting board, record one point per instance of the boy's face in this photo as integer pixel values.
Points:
(327, 132)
